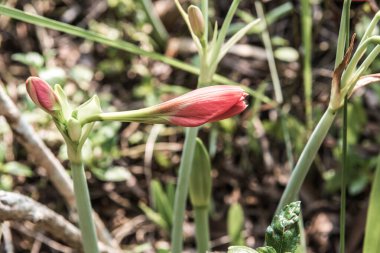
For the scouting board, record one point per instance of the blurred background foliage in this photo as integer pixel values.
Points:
(132, 167)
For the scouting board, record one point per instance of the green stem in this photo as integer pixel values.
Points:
(306, 23)
(202, 229)
(343, 32)
(342, 222)
(204, 8)
(82, 197)
(307, 156)
(276, 80)
(269, 51)
(183, 188)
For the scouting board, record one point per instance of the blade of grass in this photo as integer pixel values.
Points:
(269, 51)
(119, 44)
(372, 229)
(204, 8)
(159, 30)
(306, 24)
(343, 42)
(222, 35)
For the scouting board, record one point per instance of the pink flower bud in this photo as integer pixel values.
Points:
(203, 105)
(42, 94)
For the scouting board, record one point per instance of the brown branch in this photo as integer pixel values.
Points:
(42, 156)
(16, 207)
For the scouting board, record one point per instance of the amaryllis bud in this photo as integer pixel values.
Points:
(42, 94)
(196, 21)
(204, 105)
(195, 108)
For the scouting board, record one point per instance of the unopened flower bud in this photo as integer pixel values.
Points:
(192, 109)
(42, 95)
(196, 21)
(74, 129)
(200, 177)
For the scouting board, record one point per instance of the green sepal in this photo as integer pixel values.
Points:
(74, 129)
(65, 106)
(88, 109)
(283, 234)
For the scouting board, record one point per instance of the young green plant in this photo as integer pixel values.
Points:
(210, 53)
(347, 77)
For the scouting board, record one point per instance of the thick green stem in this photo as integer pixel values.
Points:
(202, 229)
(307, 157)
(183, 188)
(82, 197)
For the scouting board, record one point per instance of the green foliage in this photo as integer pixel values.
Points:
(266, 249)
(243, 249)
(240, 249)
(235, 224)
(283, 234)
(163, 199)
(31, 59)
(372, 231)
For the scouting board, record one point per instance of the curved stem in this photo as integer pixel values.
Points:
(82, 197)
(182, 189)
(201, 229)
(307, 157)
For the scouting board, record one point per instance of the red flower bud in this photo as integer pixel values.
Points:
(42, 94)
(203, 105)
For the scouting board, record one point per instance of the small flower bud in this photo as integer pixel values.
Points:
(42, 95)
(196, 21)
(74, 129)
(200, 177)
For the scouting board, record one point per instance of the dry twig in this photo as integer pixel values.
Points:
(16, 207)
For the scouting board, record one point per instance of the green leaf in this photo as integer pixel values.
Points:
(31, 59)
(235, 223)
(240, 249)
(6, 182)
(236, 37)
(161, 201)
(283, 234)
(53, 75)
(286, 54)
(113, 174)
(372, 230)
(82, 75)
(17, 169)
(154, 216)
(266, 249)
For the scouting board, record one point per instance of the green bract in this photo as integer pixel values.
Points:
(200, 177)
